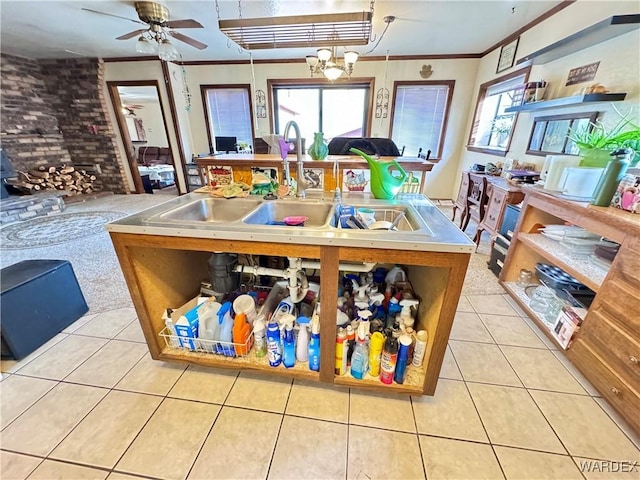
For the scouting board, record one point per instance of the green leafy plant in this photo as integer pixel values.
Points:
(624, 134)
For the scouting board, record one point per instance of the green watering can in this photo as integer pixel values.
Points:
(384, 185)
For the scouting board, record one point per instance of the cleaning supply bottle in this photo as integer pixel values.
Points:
(274, 349)
(376, 343)
(361, 296)
(350, 344)
(422, 337)
(406, 314)
(403, 359)
(302, 347)
(241, 332)
(375, 305)
(259, 331)
(341, 352)
(611, 177)
(393, 311)
(412, 334)
(226, 330)
(289, 345)
(389, 358)
(360, 359)
(314, 345)
(207, 320)
(396, 274)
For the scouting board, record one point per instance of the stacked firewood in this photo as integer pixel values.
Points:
(65, 177)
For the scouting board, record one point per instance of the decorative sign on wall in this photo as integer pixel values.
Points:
(507, 55)
(582, 74)
(382, 103)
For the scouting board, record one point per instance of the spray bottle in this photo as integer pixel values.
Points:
(393, 311)
(406, 317)
(341, 352)
(274, 349)
(361, 296)
(389, 358)
(314, 344)
(302, 347)
(360, 359)
(375, 305)
(376, 343)
(289, 343)
(259, 331)
(403, 359)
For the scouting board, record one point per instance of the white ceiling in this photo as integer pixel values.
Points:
(49, 29)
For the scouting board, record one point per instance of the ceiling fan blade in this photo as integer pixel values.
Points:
(188, 40)
(129, 35)
(190, 23)
(112, 15)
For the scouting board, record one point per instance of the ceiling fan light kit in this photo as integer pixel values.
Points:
(154, 39)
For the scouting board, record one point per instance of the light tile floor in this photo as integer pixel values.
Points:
(93, 404)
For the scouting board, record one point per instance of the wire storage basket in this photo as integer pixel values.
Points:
(227, 349)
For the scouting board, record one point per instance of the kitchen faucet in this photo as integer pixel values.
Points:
(301, 184)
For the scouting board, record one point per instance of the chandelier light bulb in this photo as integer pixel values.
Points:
(312, 61)
(333, 72)
(324, 54)
(350, 57)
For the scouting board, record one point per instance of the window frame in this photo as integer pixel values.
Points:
(591, 116)
(368, 82)
(205, 105)
(445, 119)
(482, 94)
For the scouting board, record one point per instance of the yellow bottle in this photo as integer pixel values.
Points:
(376, 344)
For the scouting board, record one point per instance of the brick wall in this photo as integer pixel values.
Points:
(54, 111)
(30, 133)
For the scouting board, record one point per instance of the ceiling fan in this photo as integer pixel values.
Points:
(156, 18)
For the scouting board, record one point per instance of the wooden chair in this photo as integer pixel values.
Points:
(477, 199)
(461, 199)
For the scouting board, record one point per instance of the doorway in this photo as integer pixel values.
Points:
(144, 133)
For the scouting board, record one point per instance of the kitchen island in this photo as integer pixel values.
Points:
(164, 253)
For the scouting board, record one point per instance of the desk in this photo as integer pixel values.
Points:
(501, 193)
(242, 163)
(161, 175)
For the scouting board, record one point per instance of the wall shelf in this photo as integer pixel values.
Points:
(600, 32)
(568, 101)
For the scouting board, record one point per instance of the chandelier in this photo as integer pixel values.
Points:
(155, 42)
(327, 63)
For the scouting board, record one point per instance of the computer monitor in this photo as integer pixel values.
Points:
(226, 144)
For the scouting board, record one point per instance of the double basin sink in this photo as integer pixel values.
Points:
(322, 214)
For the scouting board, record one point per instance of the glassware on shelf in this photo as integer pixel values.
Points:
(525, 278)
(553, 309)
(542, 297)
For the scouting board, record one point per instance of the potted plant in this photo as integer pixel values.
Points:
(596, 142)
(501, 127)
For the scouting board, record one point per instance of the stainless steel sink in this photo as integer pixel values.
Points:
(273, 212)
(210, 209)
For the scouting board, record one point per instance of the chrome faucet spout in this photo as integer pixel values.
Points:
(301, 184)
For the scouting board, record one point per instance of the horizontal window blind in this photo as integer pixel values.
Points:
(418, 117)
(230, 113)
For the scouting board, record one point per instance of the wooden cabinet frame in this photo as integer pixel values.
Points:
(163, 271)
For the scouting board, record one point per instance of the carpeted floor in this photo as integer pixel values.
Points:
(78, 235)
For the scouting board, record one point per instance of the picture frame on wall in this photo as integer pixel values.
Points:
(507, 55)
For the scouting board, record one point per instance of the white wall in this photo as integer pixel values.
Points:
(618, 70)
(463, 71)
(151, 116)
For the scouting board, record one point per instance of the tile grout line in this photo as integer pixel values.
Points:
(42, 459)
(415, 424)
(57, 382)
(346, 470)
(275, 445)
(40, 354)
(212, 424)
(164, 397)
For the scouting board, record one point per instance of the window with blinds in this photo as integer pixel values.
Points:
(419, 115)
(228, 113)
(492, 125)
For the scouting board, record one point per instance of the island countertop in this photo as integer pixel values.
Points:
(436, 233)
